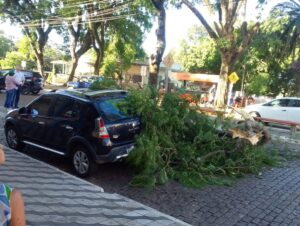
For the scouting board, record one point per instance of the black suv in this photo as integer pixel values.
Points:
(87, 126)
(33, 81)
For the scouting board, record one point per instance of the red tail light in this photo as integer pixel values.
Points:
(102, 131)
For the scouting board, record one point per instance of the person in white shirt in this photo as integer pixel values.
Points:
(20, 78)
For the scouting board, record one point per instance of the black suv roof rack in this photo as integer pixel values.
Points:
(93, 94)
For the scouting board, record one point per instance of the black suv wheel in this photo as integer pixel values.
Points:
(12, 138)
(35, 91)
(82, 163)
(25, 90)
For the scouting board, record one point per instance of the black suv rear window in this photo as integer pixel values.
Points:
(113, 109)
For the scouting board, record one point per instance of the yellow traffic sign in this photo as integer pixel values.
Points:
(233, 77)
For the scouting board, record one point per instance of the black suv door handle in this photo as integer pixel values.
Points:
(67, 127)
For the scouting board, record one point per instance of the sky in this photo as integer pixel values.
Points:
(178, 22)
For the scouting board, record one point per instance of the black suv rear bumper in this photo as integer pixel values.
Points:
(115, 154)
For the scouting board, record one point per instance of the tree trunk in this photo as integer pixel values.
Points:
(98, 61)
(153, 79)
(221, 92)
(40, 63)
(295, 69)
(73, 69)
(156, 58)
(297, 91)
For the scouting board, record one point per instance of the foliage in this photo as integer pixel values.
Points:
(23, 46)
(33, 17)
(15, 58)
(51, 54)
(198, 53)
(124, 39)
(265, 68)
(6, 45)
(176, 142)
(118, 57)
(105, 83)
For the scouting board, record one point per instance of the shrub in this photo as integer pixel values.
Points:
(105, 83)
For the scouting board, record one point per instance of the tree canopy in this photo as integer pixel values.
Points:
(198, 53)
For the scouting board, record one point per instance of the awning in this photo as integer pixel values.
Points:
(184, 76)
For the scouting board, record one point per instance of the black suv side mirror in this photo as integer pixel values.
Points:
(23, 110)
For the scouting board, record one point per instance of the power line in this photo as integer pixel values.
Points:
(86, 22)
(90, 17)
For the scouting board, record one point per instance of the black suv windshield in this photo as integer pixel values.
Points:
(114, 109)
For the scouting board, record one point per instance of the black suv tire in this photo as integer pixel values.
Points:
(35, 91)
(25, 90)
(12, 138)
(82, 162)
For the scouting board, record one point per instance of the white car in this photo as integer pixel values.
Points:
(285, 109)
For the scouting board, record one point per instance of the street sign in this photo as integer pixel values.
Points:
(233, 77)
(23, 64)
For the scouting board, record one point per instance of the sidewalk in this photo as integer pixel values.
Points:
(53, 197)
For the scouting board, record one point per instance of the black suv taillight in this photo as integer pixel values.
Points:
(101, 129)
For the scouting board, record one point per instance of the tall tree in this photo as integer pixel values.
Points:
(156, 58)
(33, 17)
(224, 36)
(291, 34)
(127, 20)
(73, 27)
(264, 69)
(81, 41)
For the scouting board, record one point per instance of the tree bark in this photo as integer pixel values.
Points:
(76, 54)
(73, 68)
(40, 63)
(98, 45)
(221, 92)
(156, 58)
(98, 62)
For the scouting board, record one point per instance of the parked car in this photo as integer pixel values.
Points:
(33, 81)
(287, 108)
(84, 82)
(87, 126)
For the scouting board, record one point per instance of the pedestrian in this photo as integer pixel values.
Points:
(20, 82)
(231, 101)
(237, 102)
(10, 87)
(12, 210)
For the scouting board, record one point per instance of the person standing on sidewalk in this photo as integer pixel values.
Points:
(10, 87)
(12, 210)
(20, 78)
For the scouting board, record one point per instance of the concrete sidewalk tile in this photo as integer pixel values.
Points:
(139, 222)
(53, 197)
(110, 222)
